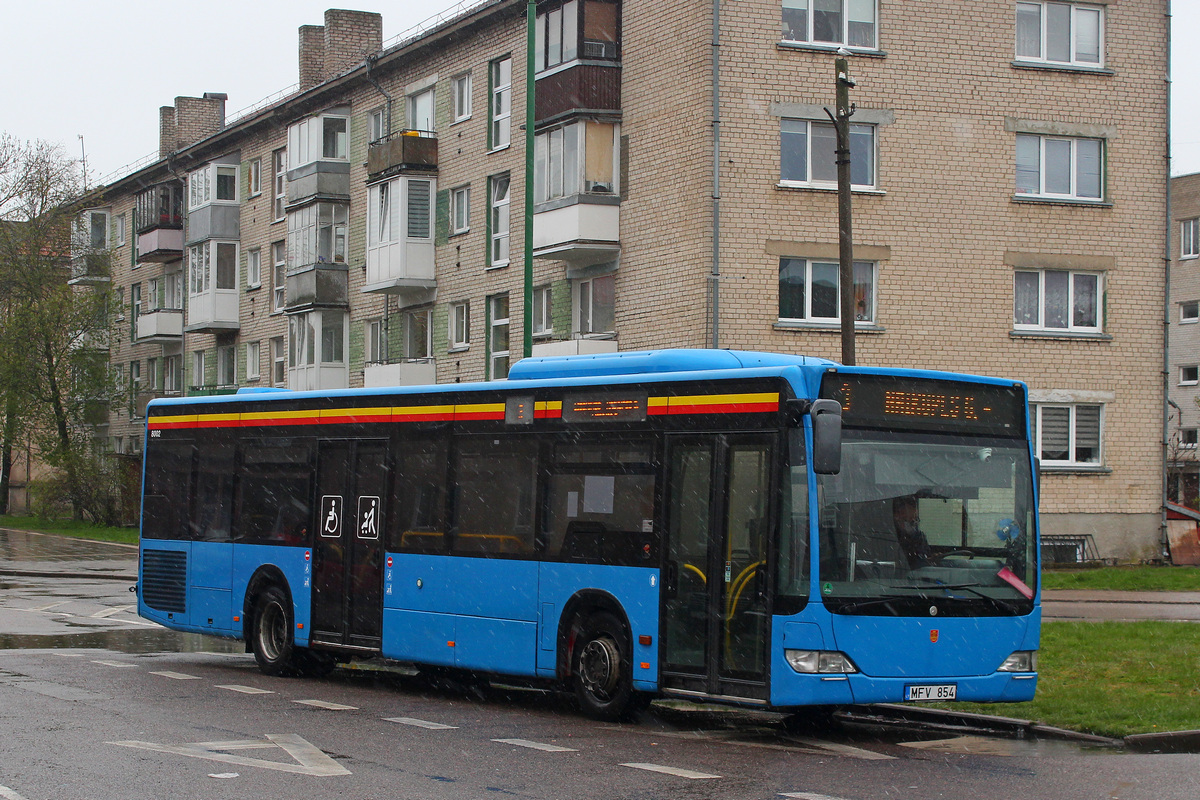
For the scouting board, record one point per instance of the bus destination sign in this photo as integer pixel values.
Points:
(604, 408)
(891, 401)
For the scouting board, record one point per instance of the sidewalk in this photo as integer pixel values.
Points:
(30, 554)
(1082, 604)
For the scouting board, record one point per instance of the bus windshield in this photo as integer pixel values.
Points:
(919, 517)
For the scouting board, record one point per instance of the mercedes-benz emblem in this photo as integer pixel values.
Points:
(933, 611)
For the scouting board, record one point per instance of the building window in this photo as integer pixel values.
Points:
(135, 307)
(1189, 238)
(557, 36)
(1060, 167)
(460, 209)
(159, 207)
(460, 95)
(173, 374)
(1189, 312)
(418, 334)
(595, 308)
(377, 125)
(575, 157)
(91, 230)
(212, 264)
(498, 337)
(135, 376)
(278, 361)
(197, 369)
(118, 231)
(500, 108)
(280, 182)
(384, 204)
(1056, 300)
(543, 324)
(806, 154)
(809, 291)
(1060, 33)
(226, 366)
(460, 325)
(308, 347)
(376, 343)
(255, 188)
(498, 221)
(830, 22)
(278, 275)
(216, 183)
(166, 292)
(1189, 375)
(254, 268)
(321, 138)
(252, 360)
(152, 374)
(317, 234)
(1068, 435)
(1188, 438)
(420, 111)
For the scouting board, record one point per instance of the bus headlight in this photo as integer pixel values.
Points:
(819, 661)
(1020, 661)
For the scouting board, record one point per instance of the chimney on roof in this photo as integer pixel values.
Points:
(190, 120)
(346, 38)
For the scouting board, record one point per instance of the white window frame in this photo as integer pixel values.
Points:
(500, 105)
(459, 332)
(1189, 238)
(1189, 312)
(1073, 277)
(253, 360)
(279, 184)
(418, 341)
(279, 359)
(584, 307)
(226, 365)
(420, 111)
(1189, 375)
(204, 267)
(841, 38)
(87, 227)
(557, 36)
(499, 326)
(460, 209)
(1189, 438)
(255, 179)
(203, 185)
(375, 341)
(173, 373)
(377, 125)
(318, 234)
(1073, 443)
(791, 131)
(460, 96)
(309, 141)
(865, 306)
(1040, 53)
(152, 374)
(118, 231)
(543, 311)
(500, 220)
(254, 268)
(278, 276)
(198, 367)
(1074, 189)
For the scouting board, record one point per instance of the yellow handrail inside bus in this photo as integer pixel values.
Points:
(696, 570)
(739, 584)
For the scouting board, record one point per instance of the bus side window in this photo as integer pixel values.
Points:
(167, 491)
(418, 519)
(275, 493)
(212, 512)
(495, 491)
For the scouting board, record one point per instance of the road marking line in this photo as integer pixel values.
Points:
(420, 723)
(108, 612)
(115, 664)
(326, 704)
(310, 760)
(179, 676)
(547, 748)
(676, 771)
(810, 796)
(841, 749)
(46, 608)
(69, 655)
(234, 687)
(9, 794)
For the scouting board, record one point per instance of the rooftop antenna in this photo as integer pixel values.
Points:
(83, 153)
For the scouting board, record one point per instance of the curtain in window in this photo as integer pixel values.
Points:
(1087, 434)
(1026, 298)
(1056, 433)
(1087, 298)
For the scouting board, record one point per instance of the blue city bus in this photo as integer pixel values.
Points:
(751, 528)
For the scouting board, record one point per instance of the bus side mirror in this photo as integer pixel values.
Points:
(827, 437)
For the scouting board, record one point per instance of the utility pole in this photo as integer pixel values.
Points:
(841, 124)
(530, 82)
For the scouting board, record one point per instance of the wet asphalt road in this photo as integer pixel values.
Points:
(96, 703)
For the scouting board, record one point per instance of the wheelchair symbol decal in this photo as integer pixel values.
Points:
(331, 516)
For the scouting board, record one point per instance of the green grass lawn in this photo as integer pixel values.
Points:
(66, 527)
(1145, 579)
(1112, 678)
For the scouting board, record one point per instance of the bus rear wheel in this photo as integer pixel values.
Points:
(273, 643)
(601, 670)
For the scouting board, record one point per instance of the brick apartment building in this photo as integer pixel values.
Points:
(1010, 196)
(1183, 373)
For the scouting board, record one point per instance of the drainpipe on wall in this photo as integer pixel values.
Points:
(1164, 541)
(369, 62)
(715, 276)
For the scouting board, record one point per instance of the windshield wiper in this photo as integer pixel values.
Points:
(1004, 605)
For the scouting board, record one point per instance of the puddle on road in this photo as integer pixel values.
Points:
(131, 642)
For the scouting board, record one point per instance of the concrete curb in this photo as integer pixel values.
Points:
(93, 576)
(981, 724)
(1169, 742)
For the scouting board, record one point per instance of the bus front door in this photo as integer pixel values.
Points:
(347, 592)
(716, 615)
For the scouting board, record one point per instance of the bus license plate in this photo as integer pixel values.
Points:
(944, 691)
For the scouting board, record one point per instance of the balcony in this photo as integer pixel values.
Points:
(582, 231)
(142, 399)
(320, 285)
(91, 269)
(400, 240)
(160, 245)
(415, 372)
(407, 150)
(590, 86)
(160, 325)
(214, 311)
(575, 347)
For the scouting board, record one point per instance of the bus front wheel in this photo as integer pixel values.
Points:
(274, 647)
(601, 670)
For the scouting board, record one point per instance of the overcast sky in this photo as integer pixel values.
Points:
(101, 70)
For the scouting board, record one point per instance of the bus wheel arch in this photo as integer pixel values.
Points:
(595, 654)
(267, 609)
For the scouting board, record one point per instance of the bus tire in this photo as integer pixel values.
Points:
(273, 640)
(601, 669)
